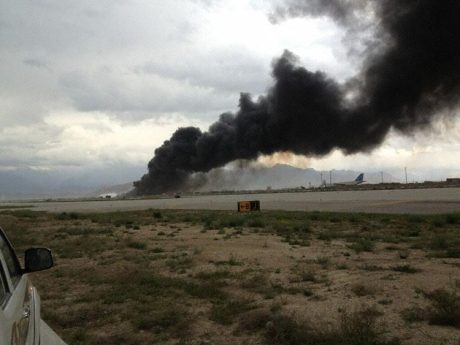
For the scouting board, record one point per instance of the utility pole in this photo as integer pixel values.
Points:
(321, 183)
(330, 177)
(405, 172)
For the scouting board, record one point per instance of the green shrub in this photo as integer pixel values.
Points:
(438, 222)
(225, 312)
(357, 328)
(361, 328)
(439, 241)
(372, 268)
(414, 314)
(363, 290)
(453, 252)
(363, 245)
(323, 261)
(308, 276)
(452, 219)
(136, 244)
(406, 269)
(445, 307)
(171, 319)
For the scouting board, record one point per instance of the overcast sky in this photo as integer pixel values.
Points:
(92, 83)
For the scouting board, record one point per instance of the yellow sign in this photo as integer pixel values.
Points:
(248, 206)
(244, 206)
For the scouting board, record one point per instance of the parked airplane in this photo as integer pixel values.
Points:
(358, 180)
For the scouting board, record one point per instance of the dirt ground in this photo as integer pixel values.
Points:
(339, 272)
(179, 280)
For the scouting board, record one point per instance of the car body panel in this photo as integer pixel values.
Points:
(48, 336)
(20, 321)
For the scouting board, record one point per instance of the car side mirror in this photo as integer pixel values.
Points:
(37, 259)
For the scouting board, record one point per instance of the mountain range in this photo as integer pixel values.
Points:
(283, 176)
(41, 184)
(26, 183)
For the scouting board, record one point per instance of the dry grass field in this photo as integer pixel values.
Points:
(217, 277)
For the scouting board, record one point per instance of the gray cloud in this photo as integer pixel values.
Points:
(231, 71)
(36, 62)
(142, 97)
(345, 12)
(121, 57)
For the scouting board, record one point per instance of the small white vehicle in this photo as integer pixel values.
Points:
(20, 322)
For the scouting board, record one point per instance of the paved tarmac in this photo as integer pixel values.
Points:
(398, 201)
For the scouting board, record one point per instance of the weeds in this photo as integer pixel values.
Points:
(361, 328)
(414, 314)
(225, 312)
(208, 291)
(363, 245)
(232, 261)
(112, 287)
(157, 250)
(357, 328)
(179, 263)
(215, 275)
(308, 276)
(439, 241)
(445, 307)
(323, 261)
(406, 269)
(363, 290)
(372, 268)
(137, 245)
(170, 319)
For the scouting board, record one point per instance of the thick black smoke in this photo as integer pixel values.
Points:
(414, 77)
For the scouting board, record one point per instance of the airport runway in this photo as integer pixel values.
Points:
(414, 201)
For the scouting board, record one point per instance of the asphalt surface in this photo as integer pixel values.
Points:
(398, 201)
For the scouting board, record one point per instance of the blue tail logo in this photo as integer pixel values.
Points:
(360, 178)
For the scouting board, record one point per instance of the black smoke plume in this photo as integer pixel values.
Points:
(413, 77)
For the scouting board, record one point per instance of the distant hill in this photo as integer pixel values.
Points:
(29, 183)
(283, 176)
(41, 184)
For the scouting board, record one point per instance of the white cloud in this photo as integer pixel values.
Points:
(101, 140)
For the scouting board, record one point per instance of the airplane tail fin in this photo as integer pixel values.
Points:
(360, 178)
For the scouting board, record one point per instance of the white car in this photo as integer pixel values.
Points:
(20, 322)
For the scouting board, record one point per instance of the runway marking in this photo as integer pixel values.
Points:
(387, 203)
